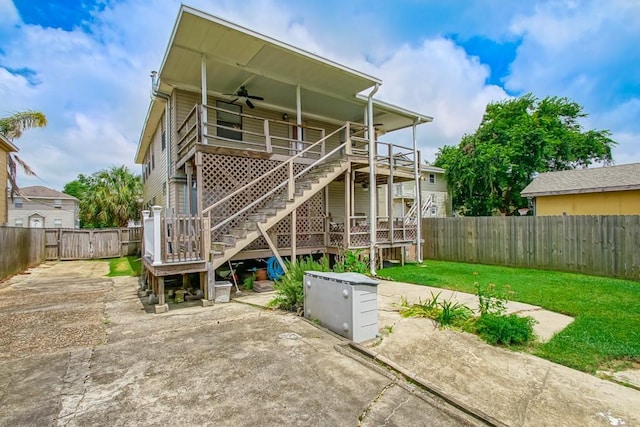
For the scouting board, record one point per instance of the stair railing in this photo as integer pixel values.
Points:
(289, 182)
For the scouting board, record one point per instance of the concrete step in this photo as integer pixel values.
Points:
(267, 211)
(277, 204)
(238, 232)
(248, 225)
(257, 217)
(229, 239)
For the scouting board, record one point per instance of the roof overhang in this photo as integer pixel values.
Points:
(235, 56)
(580, 191)
(7, 145)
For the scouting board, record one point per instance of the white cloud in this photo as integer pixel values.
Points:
(94, 85)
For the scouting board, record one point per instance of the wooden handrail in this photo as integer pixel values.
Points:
(288, 182)
(278, 167)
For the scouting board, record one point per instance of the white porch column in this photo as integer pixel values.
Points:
(372, 182)
(299, 119)
(157, 242)
(417, 195)
(146, 241)
(203, 77)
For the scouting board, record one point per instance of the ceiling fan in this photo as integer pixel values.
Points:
(243, 93)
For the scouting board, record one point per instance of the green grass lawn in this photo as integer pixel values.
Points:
(606, 330)
(125, 266)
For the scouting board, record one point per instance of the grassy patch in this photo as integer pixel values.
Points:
(606, 311)
(125, 266)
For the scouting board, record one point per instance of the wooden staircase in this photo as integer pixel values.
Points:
(277, 207)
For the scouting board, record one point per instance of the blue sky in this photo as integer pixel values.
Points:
(86, 63)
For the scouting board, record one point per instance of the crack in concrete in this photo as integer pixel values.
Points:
(400, 405)
(375, 400)
(537, 391)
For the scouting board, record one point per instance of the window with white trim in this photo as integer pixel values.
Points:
(17, 202)
(57, 223)
(19, 223)
(57, 203)
(432, 178)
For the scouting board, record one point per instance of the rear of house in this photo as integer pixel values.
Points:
(253, 148)
(609, 190)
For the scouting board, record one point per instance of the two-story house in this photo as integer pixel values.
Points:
(254, 148)
(42, 207)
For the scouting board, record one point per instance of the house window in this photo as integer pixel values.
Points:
(57, 203)
(432, 178)
(17, 202)
(19, 223)
(57, 223)
(229, 120)
(434, 210)
(163, 140)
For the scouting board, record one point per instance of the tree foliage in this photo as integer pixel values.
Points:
(108, 198)
(12, 127)
(516, 139)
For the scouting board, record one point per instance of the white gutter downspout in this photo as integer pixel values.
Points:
(372, 182)
(417, 195)
(167, 133)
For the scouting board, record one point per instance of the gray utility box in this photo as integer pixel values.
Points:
(345, 303)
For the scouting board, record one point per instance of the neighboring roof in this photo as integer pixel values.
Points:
(237, 56)
(429, 168)
(40, 192)
(608, 178)
(6, 145)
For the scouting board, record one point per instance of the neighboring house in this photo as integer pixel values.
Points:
(42, 207)
(264, 150)
(435, 199)
(609, 190)
(6, 147)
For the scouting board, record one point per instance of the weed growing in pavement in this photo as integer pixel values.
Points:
(446, 313)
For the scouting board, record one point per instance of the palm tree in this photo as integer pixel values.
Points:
(11, 127)
(112, 198)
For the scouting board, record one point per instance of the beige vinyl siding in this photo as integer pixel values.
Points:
(67, 213)
(154, 182)
(440, 184)
(336, 201)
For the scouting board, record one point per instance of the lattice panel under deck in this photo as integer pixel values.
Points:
(222, 174)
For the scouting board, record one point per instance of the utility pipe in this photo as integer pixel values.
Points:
(417, 195)
(372, 181)
(156, 94)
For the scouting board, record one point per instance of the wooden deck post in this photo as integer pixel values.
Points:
(293, 234)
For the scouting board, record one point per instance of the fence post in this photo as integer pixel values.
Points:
(157, 242)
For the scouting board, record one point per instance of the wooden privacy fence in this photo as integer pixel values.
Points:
(601, 245)
(70, 244)
(20, 248)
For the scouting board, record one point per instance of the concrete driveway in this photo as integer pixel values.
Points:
(80, 349)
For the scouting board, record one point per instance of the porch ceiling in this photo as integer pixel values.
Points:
(237, 56)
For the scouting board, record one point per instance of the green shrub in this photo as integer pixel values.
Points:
(289, 288)
(505, 329)
(248, 282)
(351, 261)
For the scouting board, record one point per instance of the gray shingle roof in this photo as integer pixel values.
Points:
(608, 178)
(38, 191)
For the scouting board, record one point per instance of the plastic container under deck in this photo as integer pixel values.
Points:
(345, 303)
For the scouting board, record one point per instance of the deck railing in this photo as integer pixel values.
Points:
(171, 239)
(357, 234)
(196, 129)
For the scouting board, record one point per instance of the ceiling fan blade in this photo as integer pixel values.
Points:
(249, 103)
(257, 98)
(234, 101)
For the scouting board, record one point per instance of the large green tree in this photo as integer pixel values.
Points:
(108, 198)
(12, 127)
(516, 139)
